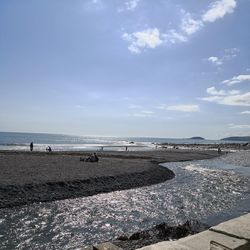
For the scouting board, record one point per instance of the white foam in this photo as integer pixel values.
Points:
(198, 168)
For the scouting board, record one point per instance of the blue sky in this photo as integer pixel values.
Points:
(160, 68)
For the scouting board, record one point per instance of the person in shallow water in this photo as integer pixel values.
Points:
(31, 146)
(92, 158)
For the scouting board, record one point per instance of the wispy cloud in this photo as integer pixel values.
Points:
(94, 95)
(184, 108)
(213, 91)
(239, 126)
(230, 99)
(94, 5)
(79, 106)
(149, 38)
(152, 38)
(172, 37)
(237, 79)
(216, 10)
(162, 106)
(215, 60)
(246, 112)
(189, 25)
(228, 55)
(134, 106)
(147, 112)
(131, 5)
(143, 113)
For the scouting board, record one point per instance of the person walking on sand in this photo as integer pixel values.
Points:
(31, 146)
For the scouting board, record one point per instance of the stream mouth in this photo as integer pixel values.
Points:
(208, 191)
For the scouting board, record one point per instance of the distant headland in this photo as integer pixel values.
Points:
(236, 138)
(197, 138)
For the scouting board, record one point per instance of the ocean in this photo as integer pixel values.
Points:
(58, 142)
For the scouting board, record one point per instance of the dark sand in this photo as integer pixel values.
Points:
(28, 177)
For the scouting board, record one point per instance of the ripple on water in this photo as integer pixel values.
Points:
(199, 190)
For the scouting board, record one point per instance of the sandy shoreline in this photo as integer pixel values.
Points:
(34, 177)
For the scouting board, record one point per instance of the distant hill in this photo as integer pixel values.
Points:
(237, 138)
(197, 138)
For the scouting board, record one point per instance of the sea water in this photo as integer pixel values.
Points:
(58, 142)
(209, 191)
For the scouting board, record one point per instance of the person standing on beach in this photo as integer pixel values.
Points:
(31, 146)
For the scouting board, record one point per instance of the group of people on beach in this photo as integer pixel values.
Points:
(48, 149)
(91, 158)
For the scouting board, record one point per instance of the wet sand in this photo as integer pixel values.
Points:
(28, 177)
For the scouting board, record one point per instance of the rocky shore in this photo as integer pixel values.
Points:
(160, 232)
(28, 177)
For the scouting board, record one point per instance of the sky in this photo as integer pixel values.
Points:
(163, 68)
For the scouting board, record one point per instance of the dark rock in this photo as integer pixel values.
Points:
(135, 236)
(123, 237)
(160, 232)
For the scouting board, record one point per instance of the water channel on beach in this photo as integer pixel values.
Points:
(209, 191)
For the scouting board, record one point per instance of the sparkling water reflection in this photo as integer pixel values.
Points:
(199, 190)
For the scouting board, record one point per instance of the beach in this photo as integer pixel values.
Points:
(28, 177)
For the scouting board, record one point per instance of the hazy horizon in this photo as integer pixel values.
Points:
(116, 136)
(133, 68)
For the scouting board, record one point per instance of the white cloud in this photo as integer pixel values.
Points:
(237, 79)
(184, 108)
(246, 112)
(215, 60)
(215, 99)
(131, 5)
(149, 38)
(190, 25)
(219, 9)
(237, 100)
(214, 91)
(152, 38)
(216, 10)
(231, 100)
